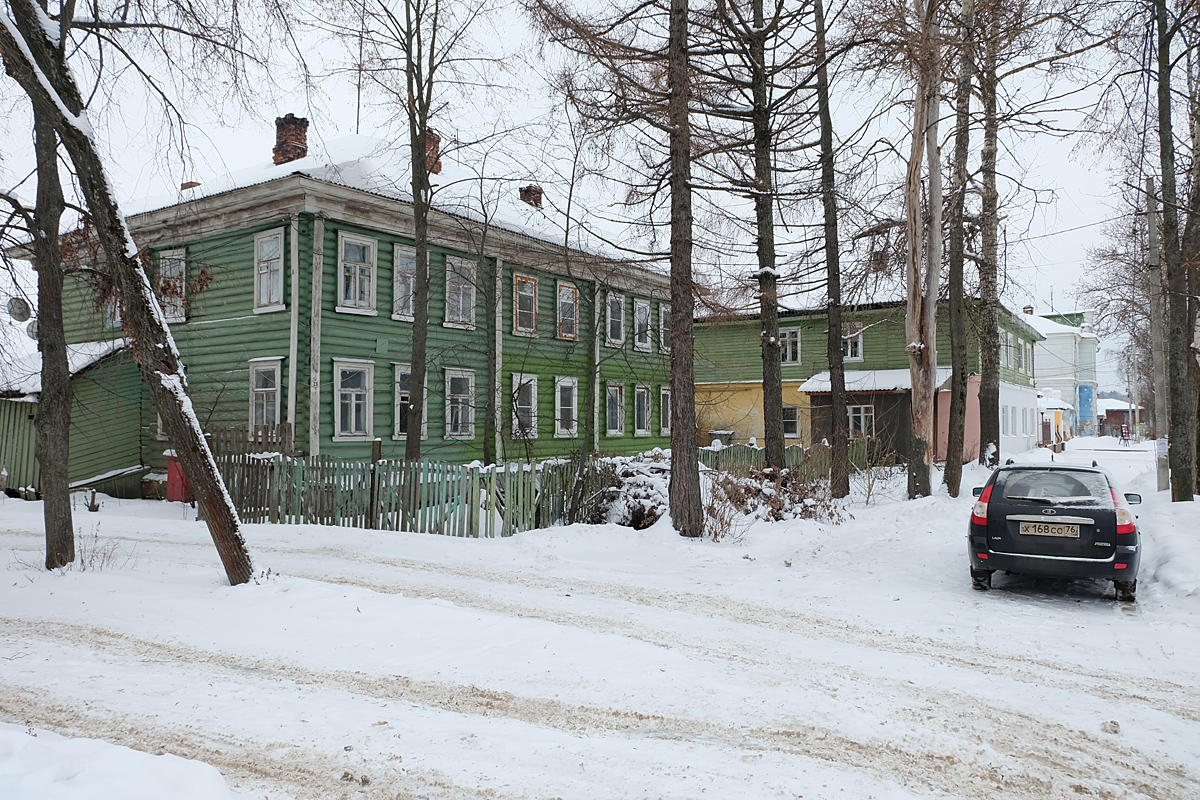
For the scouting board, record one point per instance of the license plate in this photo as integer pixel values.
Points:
(1050, 529)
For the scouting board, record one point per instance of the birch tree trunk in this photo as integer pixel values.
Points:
(956, 427)
(687, 514)
(55, 94)
(53, 423)
(839, 471)
(989, 300)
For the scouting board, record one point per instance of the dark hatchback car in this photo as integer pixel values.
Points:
(1054, 519)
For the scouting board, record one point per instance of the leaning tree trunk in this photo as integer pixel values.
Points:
(764, 218)
(687, 514)
(956, 428)
(56, 95)
(53, 423)
(1182, 453)
(839, 470)
(989, 300)
(923, 284)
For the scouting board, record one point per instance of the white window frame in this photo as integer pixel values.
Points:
(664, 327)
(340, 364)
(795, 435)
(664, 411)
(112, 313)
(609, 341)
(569, 432)
(399, 435)
(849, 341)
(468, 269)
(640, 392)
(365, 307)
(864, 412)
(469, 433)
(161, 432)
(641, 336)
(521, 379)
(558, 329)
(620, 429)
(785, 337)
(532, 282)
(275, 364)
(174, 308)
(402, 252)
(263, 305)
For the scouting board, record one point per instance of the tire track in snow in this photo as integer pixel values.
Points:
(1036, 757)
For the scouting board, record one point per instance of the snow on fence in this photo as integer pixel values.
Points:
(814, 462)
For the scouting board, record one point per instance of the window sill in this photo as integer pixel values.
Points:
(357, 437)
(642, 433)
(174, 320)
(664, 432)
(403, 317)
(614, 344)
(269, 309)
(531, 437)
(615, 434)
(666, 351)
(565, 435)
(462, 437)
(852, 360)
(526, 334)
(790, 363)
(396, 438)
(362, 312)
(566, 338)
(462, 326)
(642, 348)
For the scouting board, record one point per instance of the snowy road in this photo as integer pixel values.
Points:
(804, 660)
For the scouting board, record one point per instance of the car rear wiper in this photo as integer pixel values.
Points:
(1046, 500)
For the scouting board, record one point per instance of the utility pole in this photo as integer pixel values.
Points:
(1158, 349)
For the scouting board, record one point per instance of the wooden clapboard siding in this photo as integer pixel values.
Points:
(632, 368)
(106, 418)
(17, 444)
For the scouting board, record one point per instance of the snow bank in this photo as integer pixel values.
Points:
(40, 765)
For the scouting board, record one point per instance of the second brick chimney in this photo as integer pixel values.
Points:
(291, 138)
(531, 194)
(433, 152)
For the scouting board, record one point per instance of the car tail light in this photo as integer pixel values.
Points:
(979, 512)
(1125, 523)
(1120, 566)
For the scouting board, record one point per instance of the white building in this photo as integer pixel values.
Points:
(1066, 361)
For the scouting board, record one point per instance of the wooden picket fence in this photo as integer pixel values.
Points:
(258, 439)
(424, 496)
(814, 462)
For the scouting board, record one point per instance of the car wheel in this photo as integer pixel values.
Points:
(1126, 590)
(981, 579)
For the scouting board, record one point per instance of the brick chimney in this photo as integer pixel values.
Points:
(531, 194)
(433, 152)
(1028, 310)
(291, 138)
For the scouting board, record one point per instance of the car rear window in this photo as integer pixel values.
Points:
(1060, 488)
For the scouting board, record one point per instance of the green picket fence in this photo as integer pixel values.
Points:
(814, 462)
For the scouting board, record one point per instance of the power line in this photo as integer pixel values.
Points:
(1069, 230)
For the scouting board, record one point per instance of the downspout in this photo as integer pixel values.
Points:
(295, 331)
(314, 378)
(498, 364)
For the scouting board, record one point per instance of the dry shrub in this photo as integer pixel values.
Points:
(92, 554)
(778, 495)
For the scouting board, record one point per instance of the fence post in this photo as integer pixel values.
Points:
(372, 520)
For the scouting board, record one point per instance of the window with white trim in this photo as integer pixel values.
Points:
(170, 278)
(356, 268)
(614, 325)
(789, 346)
(1004, 420)
(861, 420)
(1020, 353)
(664, 327)
(264, 392)
(404, 282)
(641, 411)
(664, 411)
(524, 406)
(353, 381)
(460, 293)
(460, 403)
(568, 311)
(852, 341)
(524, 304)
(641, 325)
(268, 270)
(791, 422)
(112, 313)
(566, 407)
(614, 409)
(403, 403)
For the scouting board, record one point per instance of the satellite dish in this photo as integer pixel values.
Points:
(32, 329)
(18, 309)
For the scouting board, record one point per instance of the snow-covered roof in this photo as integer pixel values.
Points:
(24, 376)
(1046, 327)
(870, 380)
(1047, 403)
(1106, 404)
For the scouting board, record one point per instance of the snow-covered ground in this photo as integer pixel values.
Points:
(795, 660)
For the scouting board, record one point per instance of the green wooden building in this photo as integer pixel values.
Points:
(729, 377)
(290, 296)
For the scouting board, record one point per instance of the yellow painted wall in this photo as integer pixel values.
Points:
(737, 407)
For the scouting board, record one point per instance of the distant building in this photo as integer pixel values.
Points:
(1066, 362)
(1111, 414)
